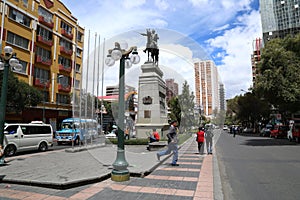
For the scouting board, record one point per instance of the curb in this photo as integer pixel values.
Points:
(81, 182)
(84, 148)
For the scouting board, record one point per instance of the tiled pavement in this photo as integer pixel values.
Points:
(192, 179)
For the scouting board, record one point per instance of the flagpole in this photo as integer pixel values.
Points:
(102, 85)
(87, 76)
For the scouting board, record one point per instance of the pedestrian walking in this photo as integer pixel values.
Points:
(172, 144)
(235, 130)
(208, 139)
(200, 139)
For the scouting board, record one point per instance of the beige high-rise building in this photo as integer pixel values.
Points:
(207, 86)
(49, 44)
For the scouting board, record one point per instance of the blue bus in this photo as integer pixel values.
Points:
(77, 130)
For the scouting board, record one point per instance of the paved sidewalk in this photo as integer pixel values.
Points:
(89, 171)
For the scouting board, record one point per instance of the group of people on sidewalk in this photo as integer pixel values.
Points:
(204, 135)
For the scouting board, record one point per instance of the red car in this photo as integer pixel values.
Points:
(279, 131)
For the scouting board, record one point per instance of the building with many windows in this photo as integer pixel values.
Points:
(255, 58)
(279, 18)
(207, 87)
(49, 43)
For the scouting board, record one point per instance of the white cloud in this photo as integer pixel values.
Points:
(162, 4)
(129, 4)
(236, 71)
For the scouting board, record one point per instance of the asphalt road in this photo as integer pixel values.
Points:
(258, 168)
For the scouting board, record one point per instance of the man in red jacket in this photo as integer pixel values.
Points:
(200, 139)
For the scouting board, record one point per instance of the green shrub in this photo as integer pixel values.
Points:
(133, 141)
(144, 141)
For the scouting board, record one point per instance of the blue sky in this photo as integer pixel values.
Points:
(221, 30)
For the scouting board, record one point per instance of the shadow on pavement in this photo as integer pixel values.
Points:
(268, 142)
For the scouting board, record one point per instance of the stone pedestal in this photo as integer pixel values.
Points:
(152, 108)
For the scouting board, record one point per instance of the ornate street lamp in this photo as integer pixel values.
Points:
(7, 60)
(120, 171)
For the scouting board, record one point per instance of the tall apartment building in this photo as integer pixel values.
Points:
(207, 86)
(49, 44)
(255, 57)
(279, 18)
(172, 89)
(114, 90)
(222, 97)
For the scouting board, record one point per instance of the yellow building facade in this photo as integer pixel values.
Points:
(49, 44)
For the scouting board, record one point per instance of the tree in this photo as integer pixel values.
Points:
(174, 105)
(278, 81)
(182, 108)
(251, 109)
(187, 105)
(20, 94)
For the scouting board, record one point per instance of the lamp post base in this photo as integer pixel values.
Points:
(120, 172)
(120, 176)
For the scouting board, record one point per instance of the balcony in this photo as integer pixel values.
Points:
(41, 83)
(64, 88)
(66, 34)
(44, 41)
(44, 22)
(43, 60)
(66, 51)
(64, 68)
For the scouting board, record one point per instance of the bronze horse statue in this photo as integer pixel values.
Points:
(151, 46)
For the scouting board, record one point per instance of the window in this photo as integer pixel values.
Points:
(65, 43)
(31, 130)
(62, 99)
(44, 13)
(77, 68)
(66, 27)
(25, 3)
(79, 36)
(77, 84)
(19, 17)
(24, 68)
(45, 54)
(64, 81)
(17, 40)
(41, 74)
(78, 52)
(11, 129)
(47, 35)
(64, 61)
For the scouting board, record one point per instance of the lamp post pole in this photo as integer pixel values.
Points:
(7, 60)
(120, 171)
(3, 109)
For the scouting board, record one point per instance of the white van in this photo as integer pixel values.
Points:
(24, 137)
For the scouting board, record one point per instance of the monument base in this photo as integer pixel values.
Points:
(145, 130)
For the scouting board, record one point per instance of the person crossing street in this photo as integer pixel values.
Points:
(172, 144)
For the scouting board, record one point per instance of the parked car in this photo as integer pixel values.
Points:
(225, 128)
(248, 130)
(279, 131)
(111, 135)
(24, 137)
(265, 132)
